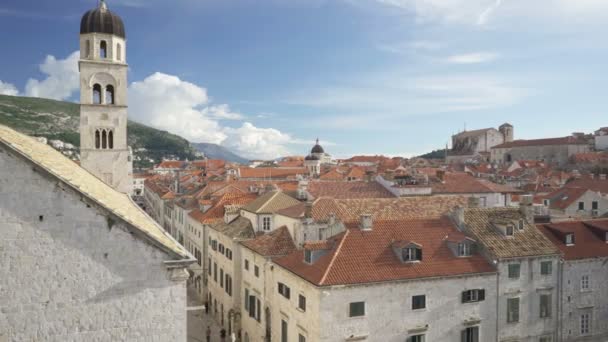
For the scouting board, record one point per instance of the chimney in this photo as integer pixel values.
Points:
(473, 202)
(458, 216)
(441, 175)
(332, 219)
(301, 192)
(525, 207)
(602, 176)
(366, 222)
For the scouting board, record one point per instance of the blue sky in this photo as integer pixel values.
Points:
(397, 77)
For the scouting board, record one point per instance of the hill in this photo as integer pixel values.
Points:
(214, 151)
(59, 120)
(435, 154)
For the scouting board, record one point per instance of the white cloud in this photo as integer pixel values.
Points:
(8, 89)
(167, 102)
(472, 58)
(61, 78)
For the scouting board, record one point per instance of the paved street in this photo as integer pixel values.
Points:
(198, 320)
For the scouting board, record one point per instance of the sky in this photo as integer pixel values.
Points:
(265, 78)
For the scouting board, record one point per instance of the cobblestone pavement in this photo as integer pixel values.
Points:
(198, 320)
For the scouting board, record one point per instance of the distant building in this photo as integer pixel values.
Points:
(550, 150)
(469, 145)
(315, 159)
(601, 139)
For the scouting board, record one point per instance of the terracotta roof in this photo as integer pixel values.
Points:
(564, 197)
(91, 187)
(597, 185)
(332, 174)
(271, 202)
(460, 183)
(527, 242)
(291, 163)
(278, 242)
(215, 214)
(587, 241)
(171, 164)
(359, 257)
(348, 190)
(271, 172)
(318, 245)
(570, 140)
(356, 173)
(501, 188)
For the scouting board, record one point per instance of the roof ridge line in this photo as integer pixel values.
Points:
(333, 259)
(268, 201)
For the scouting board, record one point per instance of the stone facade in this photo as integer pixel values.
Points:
(554, 153)
(103, 110)
(76, 272)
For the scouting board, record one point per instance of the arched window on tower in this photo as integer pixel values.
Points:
(87, 46)
(104, 139)
(97, 139)
(110, 94)
(110, 139)
(118, 52)
(96, 94)
(103, 49)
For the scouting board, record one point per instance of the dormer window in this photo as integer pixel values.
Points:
(308, 256)
(520, 224)
(464, 249)
(509, 230)
(569, 239)
(411, 254)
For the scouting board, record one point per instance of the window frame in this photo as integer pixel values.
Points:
(511, 272)
(418, 302)
(512, 314)
(546, 268)
(546, 313)
(355, 311)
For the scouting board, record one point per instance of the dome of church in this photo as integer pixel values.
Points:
(311, 157)
(101, 20)
(317, 148)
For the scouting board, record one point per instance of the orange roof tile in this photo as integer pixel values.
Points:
(348, 190)
(278, 242)
(589, 238)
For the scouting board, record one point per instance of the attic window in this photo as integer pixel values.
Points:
(464, 249)
(308, 256)
(569, 239)
(509, 230)
(411, 254)
(520, 224)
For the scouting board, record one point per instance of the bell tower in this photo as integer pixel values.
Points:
(103, 98)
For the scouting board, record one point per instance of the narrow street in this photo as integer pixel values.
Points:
(198, 320)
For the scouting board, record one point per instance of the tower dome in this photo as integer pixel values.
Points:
(102, 20)
(317, 148)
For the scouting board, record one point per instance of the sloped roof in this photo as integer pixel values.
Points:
(239, 228)
(460, 183)
(596, 184)
(270, 202)
(91, 187)
(271, 172)
(358, 257)
(587, 243)
(348, 190)
(479, 222)
(474, 133)
(215, 214)
(278, 242)
(564, 197)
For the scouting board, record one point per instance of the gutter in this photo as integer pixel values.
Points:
(183, 263)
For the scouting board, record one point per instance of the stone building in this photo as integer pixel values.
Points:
(103, 98)
(80, 260)
(551, 150)
(583, 278)
(315, 159)
(575, 203)
(468, 145)
(601, 139)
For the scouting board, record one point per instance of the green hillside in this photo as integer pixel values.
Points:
(59, 120)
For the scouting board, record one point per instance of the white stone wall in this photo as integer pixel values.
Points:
(217, 289)
(550, 153)
(576, 301)
(588, 198)
(528, 288)
(256, 285)
(601, 142)
(71, 274)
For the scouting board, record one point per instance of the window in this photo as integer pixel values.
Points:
(585, 283)
(97, 139)
(545, 339)
(509, 231)
(585, 324)
(87, 52)
(546, 202)
(284, 290)
(546, 267)
(301, 338)
(228, 287)
(254, 308)
(266, 223)
(104, 140)
(109, 94)
(356, 309)
(96, 94)
(110, 139)
(301, 302)
(308, 256)
(581, 205)
(545, 305)
(229, 253)
(283, 331)
(103, 49)
(209, 265)
(514, 271)
(512, 310)
(256, 271)
(594, 205)
(470, 296)
(569, 239)
(215, 272)
(247, 300)
(220, 248)
(418, 302)
(415, 338)
(470, 334)
(118, 52)
(411, 254)
(464, 249)
(246, 264)
(520, 224)
(221, 277)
